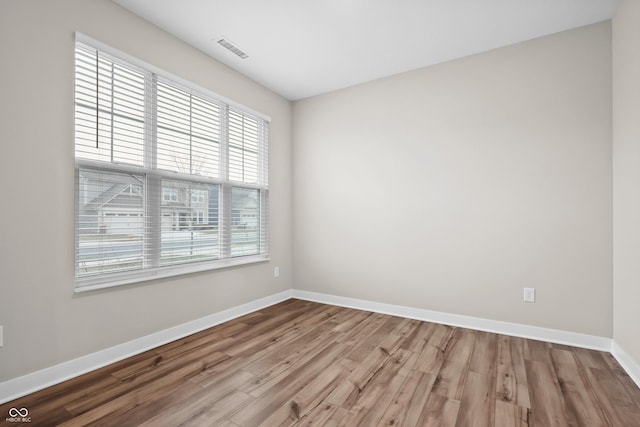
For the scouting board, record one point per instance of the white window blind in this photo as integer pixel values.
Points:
(170, 179)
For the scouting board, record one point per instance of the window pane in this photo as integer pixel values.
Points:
(188, 133)
(189, 222)
(109, 108)
(173, 151)
(245, 220)
(243, 148)
(110, 223)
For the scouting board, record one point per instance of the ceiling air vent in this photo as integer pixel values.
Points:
(225, 42)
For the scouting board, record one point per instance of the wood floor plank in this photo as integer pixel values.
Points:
(201, 401)
(612, 397)
(302, 340)
(48, 404)
(263, 406)
(282, 328)
(537, 350)
(477, 406)
(211, 343)
(590, 358)
(441, 336)
(142, 412)
(276, 373)
(439, 411)
(307, 399)
(405, 408)
(430, 360)
(348, 391)
(483, 357)
(506, 386)
(348, 320)
(451, 378)
(271, 363)
(301, 363)
(511, 376)
(407, 327)
(125, 402)
(509, 415)
(362, 330)
(320, 415)
(194, 363)
(417, 340)
(547, 402)
(632, 391)
(201, 412)
(373, 339)
(248, 357)
(373, 399)
(433, 352)
(336, 418)
(581, 408)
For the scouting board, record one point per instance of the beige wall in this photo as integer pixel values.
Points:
(626, 178)
(452, 187)
(44, 322)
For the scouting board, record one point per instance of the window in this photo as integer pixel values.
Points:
(170, 179)
(169, 195)
(198, 196)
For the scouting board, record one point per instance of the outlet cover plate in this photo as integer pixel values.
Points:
(529, 295)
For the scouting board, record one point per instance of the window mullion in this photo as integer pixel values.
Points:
(98, 100)
(224, 226)
(111, 144)
(263, 182)
(224, 144)
(152, 237)
(263, 236)
(151, 122)
(191, 171)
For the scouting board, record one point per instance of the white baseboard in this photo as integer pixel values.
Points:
(21, 386)
(631, 367)
(514, 329)
(628, 364)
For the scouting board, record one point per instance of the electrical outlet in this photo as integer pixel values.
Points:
(529, 295)
(276, 271)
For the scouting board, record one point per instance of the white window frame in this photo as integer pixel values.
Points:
(153, 177)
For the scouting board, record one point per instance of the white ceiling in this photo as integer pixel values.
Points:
(301, 48)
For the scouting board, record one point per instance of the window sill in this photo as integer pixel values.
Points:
(128, 278)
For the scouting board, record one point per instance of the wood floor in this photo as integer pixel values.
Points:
(302, 363)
